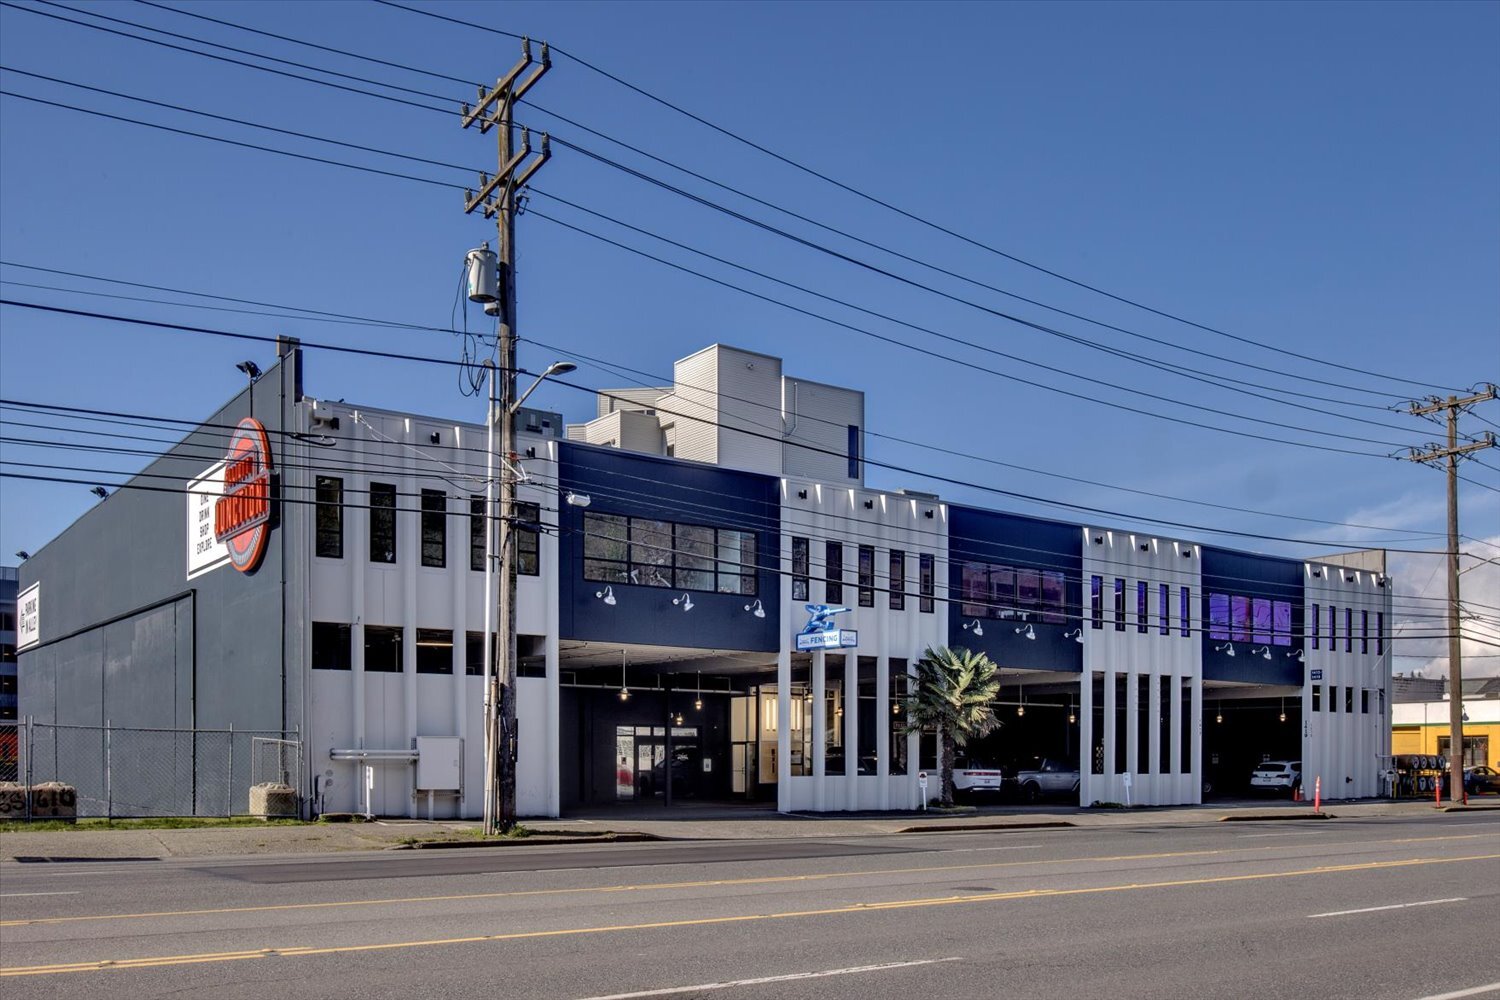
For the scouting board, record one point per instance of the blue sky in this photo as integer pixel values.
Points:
(1321, 178)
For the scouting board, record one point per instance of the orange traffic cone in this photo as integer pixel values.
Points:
(1296, 793)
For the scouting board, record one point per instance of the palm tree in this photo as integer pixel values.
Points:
(953, 693)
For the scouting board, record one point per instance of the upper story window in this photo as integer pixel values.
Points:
(1348, 630)
(478, 544)
(801, 557)
(1142, 607)
(1379, 633)
(655, 553)
(1185, 611)
(434, 528)
(834, 573)
(528, 538)
(1164, 609)
(898, 580)
(1119, 604)
(867, 576)
(382, 523)
(926, 582)
(1316, 626)
(330, 517)
(1259, 620)
(1096, 601)
(993, 590)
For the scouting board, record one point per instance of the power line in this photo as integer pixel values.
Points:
(655, 379)
(912, 216)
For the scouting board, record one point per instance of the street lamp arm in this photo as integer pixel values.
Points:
(556, 368)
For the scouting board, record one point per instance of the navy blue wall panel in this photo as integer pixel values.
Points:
(1252, 575)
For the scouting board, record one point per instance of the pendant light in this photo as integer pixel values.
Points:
(698, 701)
(624, 688)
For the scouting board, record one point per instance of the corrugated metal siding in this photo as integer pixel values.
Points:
(693, 407)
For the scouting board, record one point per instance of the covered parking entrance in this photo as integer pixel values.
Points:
(658, 726)
(1244, 725)
(1036, 745)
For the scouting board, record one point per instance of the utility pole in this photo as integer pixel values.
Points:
(497, 196)
(1454, 405)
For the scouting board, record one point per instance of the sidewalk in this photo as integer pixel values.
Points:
(682, 823)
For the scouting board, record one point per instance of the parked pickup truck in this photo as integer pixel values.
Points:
(1044, 776)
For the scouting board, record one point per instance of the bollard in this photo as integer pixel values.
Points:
(1437, 790)
(1318, 794)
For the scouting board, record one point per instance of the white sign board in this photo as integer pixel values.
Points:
(204, 552)
(827, 640)
(922, 780)
(29, 616)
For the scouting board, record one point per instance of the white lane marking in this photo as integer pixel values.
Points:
(1299, 833)
(8, 895)
(789, 977)
(1472, 991)
(976, 850)
(1393, 906)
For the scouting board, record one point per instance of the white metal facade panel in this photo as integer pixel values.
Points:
(750, 424)
(1167, 662)
(817, 419)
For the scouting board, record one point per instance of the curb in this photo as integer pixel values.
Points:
(969, 827)
(1246, 818)
(1471, 809)
(540, 840)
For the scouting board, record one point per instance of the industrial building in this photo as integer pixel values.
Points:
(317, 570)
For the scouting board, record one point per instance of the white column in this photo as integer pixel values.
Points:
(551, 570)
(851, 729)
(883, 728)
(1133, 764)
(819, 730)
(458, 575)
(1153, 738)
(1195, 788)
(784, 730)
(1087, 790)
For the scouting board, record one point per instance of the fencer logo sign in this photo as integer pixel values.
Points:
(242, 515)
(229, 505)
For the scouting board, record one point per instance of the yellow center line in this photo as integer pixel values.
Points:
(301, 951)
(709, 883)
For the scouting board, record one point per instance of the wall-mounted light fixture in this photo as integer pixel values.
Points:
(978, 628)
(1028, 631)
(435, 437)
(1263, 651)
(1298, 655)
(756, 608)
(251, 370)
(23, 555)
(685, 600)
(1317, 572)
(1098, 539)
(1227, 649)
(1076, 635)
(869, 505)
(801, 494)
(1145, 546)
(100, 492)
(607, 595)
(927, 514)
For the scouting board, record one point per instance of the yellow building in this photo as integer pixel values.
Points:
(1421, 727)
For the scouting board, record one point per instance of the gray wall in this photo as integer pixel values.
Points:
(126, 637)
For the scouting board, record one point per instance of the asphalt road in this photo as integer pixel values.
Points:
(1371, 908)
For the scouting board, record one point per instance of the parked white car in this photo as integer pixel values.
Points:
(972, 778)
(1276, 776)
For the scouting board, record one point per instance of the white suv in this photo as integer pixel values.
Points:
(1277, 776)
(971, 777)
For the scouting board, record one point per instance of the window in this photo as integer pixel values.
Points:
(383, 649)
(1054, 597)
(1239, 617)
(1142, 610)
(1281, 623)
(898, 580)
(654, 553)
(1333, 697)
(1260, 620)
(382, 523)
(330, 646)
(1316, 625)
(1164, 608)
(330, 517)
(1364, 631)
(1348, 630)
(474, 654)
(853, 451)
(477, 541)
(1218, 617)
(434, 651)
(7, 652)
(867, 576)
(1364, 701)
(1028, 589)
(834, 571)
(800, 562)
(1317, 697)
(1333, 628)
(1349, 699)
(1096, 601)
(434, 528)
(926, 582)
(1119, 604)
(1380, 633)
(1476, 749)
(528, 539)
(1185, 611)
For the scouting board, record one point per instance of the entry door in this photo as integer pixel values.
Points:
(649, 752)
(743, 746)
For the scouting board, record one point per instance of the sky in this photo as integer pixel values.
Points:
(1319, 180)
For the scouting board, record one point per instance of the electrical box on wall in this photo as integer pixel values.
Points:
(439, 763)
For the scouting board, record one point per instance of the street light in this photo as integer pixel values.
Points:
(499, 678)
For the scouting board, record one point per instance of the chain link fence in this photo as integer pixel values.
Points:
(122, 772)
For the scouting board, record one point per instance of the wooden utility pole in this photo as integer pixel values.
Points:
(1454, 405)
(497, 196)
